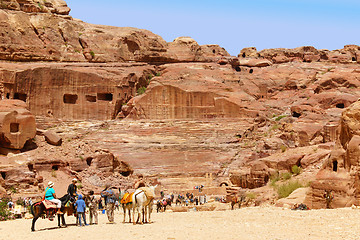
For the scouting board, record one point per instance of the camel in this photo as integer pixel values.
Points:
(142, 201)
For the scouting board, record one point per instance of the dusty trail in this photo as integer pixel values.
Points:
(246, 223)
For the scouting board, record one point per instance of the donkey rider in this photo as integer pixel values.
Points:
(50, 195)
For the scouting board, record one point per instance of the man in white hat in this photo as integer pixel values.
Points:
(72, 188)
(50, 195)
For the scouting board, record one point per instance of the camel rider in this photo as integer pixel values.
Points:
(72, 189)
(50, 195)
(140, 182)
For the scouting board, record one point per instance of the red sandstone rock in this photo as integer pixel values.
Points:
(30, 6)
(75, 97)
(17, 124)
(52, 138)
(248, 52)
(350, 124)
(255, 62)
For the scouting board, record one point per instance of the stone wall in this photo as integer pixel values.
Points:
(74, 91)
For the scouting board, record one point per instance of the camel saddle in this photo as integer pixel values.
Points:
(127, 198)
(48, 204)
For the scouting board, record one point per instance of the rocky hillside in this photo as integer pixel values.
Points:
(111, 103)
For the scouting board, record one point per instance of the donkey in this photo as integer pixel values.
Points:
(38, 209)
(142, 201)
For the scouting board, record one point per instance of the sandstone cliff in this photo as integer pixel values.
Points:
(188, 110)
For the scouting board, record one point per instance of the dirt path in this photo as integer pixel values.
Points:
(246, 223)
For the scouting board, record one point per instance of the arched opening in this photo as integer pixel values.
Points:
(251, 70)
(340, 105)
(126, 174)
(132, 45)
(214, 51)
(335, 166)
(88, 161)
(3, 175)
(353, 59)
(224, 184)
(55, 167)
(238, 69)
(296, 114)
(8, 95)
(243, 55)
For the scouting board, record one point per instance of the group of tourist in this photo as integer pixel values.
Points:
(82, 202)
(90, 201)
(190, 199)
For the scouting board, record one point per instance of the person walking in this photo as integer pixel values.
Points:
(92, 204)
(80, 210)
(110, 197)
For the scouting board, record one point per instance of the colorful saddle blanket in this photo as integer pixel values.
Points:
(48, 204)
(127, 198)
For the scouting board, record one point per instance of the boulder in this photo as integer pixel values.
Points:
(296, 197)
(17, 124)
(52, 138)
(255, 62)
(248, 52)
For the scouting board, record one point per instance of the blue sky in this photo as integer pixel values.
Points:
(324, 24)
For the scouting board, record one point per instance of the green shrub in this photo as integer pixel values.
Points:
(53, 173)
(92, 54)
(285, 176)
(141, 90)
(4, 210)
(150, 77)
(296, 170)
(287, 188)
(251, 195)
(158, 74)
(280, 117)
(275, 127)
(283, 148)
(274, 178)
(13, 189)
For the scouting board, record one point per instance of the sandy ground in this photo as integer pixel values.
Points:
(246, 223)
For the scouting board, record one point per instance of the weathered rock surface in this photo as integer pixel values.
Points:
(52, 138)
(192, 115)
(85, 91)
(33, 6)
(17, 124)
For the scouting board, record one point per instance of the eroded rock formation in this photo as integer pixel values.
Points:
(236, 120)
(17, 124)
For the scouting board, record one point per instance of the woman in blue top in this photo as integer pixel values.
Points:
(50, 195)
